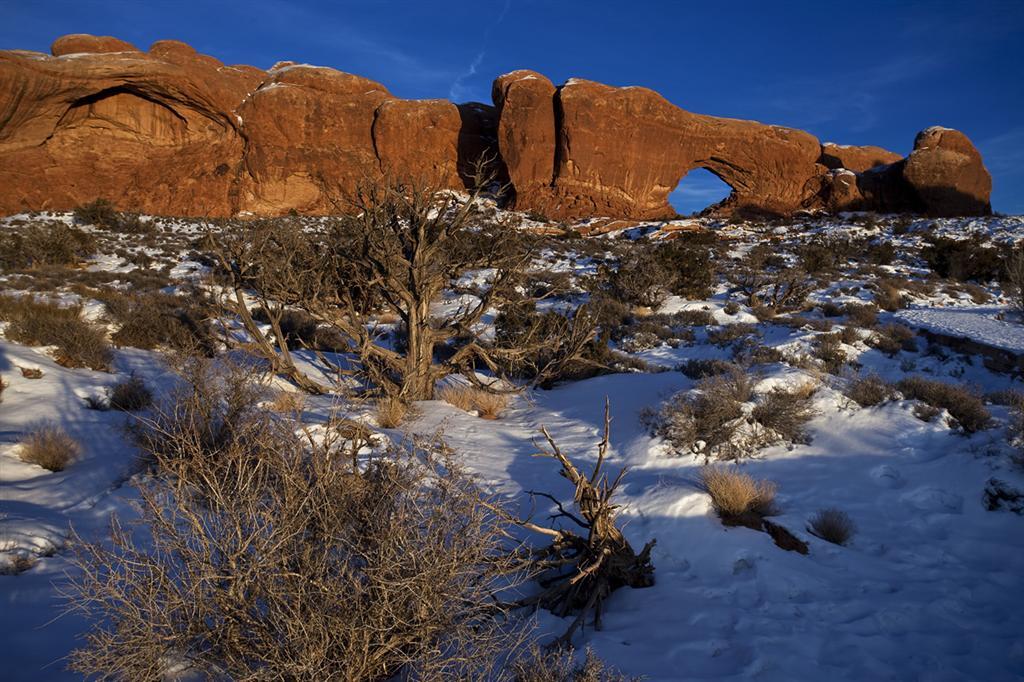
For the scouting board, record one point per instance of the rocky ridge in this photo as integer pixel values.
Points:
(171, 131)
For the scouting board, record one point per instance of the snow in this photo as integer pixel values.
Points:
(979, 324)
(930, 588)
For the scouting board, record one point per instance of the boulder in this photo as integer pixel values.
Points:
(946, 174)
(856, 159)
(83, 43)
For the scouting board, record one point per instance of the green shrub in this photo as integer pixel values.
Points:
(972, 258)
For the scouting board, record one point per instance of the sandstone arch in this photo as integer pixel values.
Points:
(171, 131)
(699, 189)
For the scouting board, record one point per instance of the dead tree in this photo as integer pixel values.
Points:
(580, 569)
(395, 252)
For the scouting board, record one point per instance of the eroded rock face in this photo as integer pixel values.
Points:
(148, 133)
(172, 131)
(947, 175)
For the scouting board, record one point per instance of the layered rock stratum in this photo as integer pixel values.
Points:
(174, 132)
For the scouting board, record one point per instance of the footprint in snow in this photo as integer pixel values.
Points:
(888, 476)
(932, 499)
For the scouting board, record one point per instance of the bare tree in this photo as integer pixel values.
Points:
(395, 253)
(271, 553)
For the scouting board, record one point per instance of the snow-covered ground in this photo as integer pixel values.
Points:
(930, 588)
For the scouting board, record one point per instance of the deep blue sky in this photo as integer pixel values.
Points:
(867, 72)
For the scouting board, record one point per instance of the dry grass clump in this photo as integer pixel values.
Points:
(870, 390)
(786, 411)
(964, 405)
(832, 525)
(486, 404)
(559, 665)
(130, 395)
(37, 323)
(49, 446)
(735, 494)
(31, 372)
(391, 412)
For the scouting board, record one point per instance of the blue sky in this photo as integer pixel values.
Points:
(868, 72)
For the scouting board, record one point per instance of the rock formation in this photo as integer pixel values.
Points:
(856, 159)
(171, 131)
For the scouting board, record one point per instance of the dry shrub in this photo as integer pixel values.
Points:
(889, 296)
(732, 333)
(964, 405)
(735, 494)
(49, 446)
(289, 402)
(37, 323)
(832, 525)
(863, 315)
(710, 414)
(391, 412)
(870, 390)
(487, 404)
(559, 665)
(99, 212)
(50, 244)
(153, 320)
(893, 338)
(970, 258)
(693, 318)
(704, 368)
(1015, 277)
(273, 554)
(926, 412)
(786, 411)
(641, 280)
(828, 349)
(130, 395)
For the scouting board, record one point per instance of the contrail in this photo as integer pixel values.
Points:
(458, 89)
